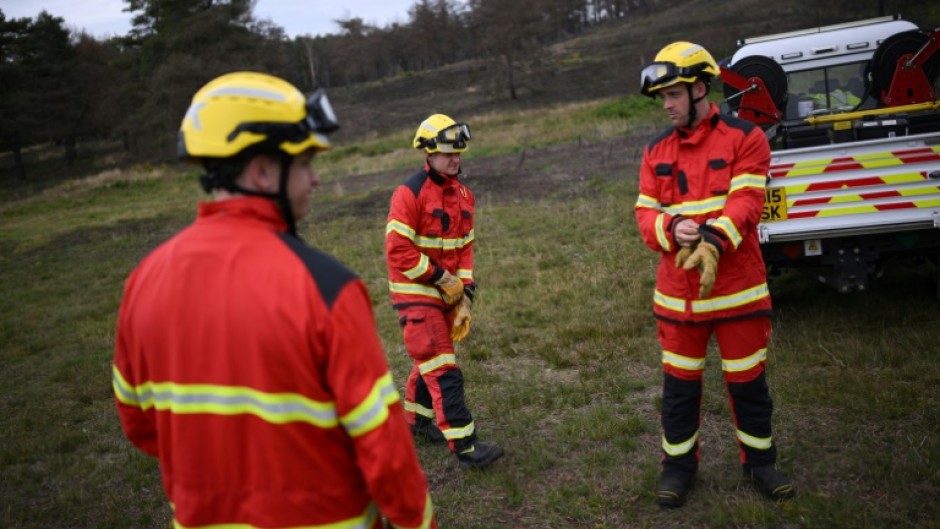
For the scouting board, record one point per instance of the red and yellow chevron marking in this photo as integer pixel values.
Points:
(856, 203)
(862, 161)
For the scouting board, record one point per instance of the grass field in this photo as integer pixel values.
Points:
(562, 364)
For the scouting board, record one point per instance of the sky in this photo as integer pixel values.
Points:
(104, 18)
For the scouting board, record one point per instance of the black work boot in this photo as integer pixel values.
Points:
(426, 430)
(480, 455)
(771, 482)
(673, 489)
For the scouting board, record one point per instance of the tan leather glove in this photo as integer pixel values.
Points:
(451, 288)
(705, 258)
(683, 254)
(461, 327)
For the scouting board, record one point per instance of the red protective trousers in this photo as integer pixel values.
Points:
(435, 385)
(743, 349)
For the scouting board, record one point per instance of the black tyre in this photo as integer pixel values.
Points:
(768, 71)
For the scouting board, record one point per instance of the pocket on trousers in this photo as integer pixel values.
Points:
(418, 335)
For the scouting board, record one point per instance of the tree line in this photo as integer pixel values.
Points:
(64, 86)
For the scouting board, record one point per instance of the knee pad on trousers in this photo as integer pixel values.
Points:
(752, 405)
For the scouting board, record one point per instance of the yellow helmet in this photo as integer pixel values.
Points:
(679, 62)
(242, 110)
(440, 133)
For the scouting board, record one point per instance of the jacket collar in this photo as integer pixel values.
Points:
(437, 177)
(702, 128)
(258, 209)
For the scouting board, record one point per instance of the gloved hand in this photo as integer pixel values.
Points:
(461, 326)
(705, 258)
(451, 288)
(683, 254)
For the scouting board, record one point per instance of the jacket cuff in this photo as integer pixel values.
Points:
(713, 237)
(672, 228)
(438, 273)
(469, 290)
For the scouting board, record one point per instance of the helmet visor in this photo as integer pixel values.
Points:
(457, 135)
(654, 76)
(658, 73)
(320, 119)
(320, 116)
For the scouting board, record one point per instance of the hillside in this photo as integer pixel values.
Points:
(602, 62)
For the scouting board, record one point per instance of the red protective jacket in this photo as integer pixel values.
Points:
(429, 230)
(249, 364)
(715, 175)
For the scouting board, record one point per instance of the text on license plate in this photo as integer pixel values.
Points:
(775, 205)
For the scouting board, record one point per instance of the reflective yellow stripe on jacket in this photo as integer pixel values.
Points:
(365, 521)
(715, 304)
(414, 289)
(422, 241)
(276, 408)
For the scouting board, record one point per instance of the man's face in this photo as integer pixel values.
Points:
(301, 182)
(446, 163)
(675, 100)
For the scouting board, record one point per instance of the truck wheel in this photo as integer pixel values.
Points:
(768, 71)
(886, 57)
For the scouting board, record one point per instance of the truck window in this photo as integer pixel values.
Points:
(825, 90)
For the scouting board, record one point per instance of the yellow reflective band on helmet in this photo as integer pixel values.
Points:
(464, 273)
(731, 301)
(697, 207)
(437, 362)
(400, 228)
(366, 521)
(242, 110)
(760, 443)
(683, 362)
(682, 448)
(424, 264)
(668, 302)
(743, 364)
(661, 237)
(458, 433)
(440, 133)
(414, 407)
(644, 201)
(413, 289)
(729, 229)
(276, 408)
(679, 62)
(373, 410)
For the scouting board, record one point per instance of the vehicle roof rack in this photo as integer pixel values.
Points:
(846, 25)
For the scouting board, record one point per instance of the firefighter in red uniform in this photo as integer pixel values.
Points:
(247, 361)
(700, 199)
(429, 253)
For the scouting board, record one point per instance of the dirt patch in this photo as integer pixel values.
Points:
(557, 172)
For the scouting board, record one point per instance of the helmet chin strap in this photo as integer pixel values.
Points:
(209, 182)
(282, 199)
(693, 113)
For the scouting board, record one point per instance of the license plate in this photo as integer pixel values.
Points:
(775, 205)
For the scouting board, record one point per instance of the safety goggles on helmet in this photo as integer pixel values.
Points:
(320, 119)
(661, 74)
(456, 135)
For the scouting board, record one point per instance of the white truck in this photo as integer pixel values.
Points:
(854, 122)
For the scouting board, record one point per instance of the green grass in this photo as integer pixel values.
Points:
(562, 363)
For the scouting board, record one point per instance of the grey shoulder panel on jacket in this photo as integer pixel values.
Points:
(327, 272)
